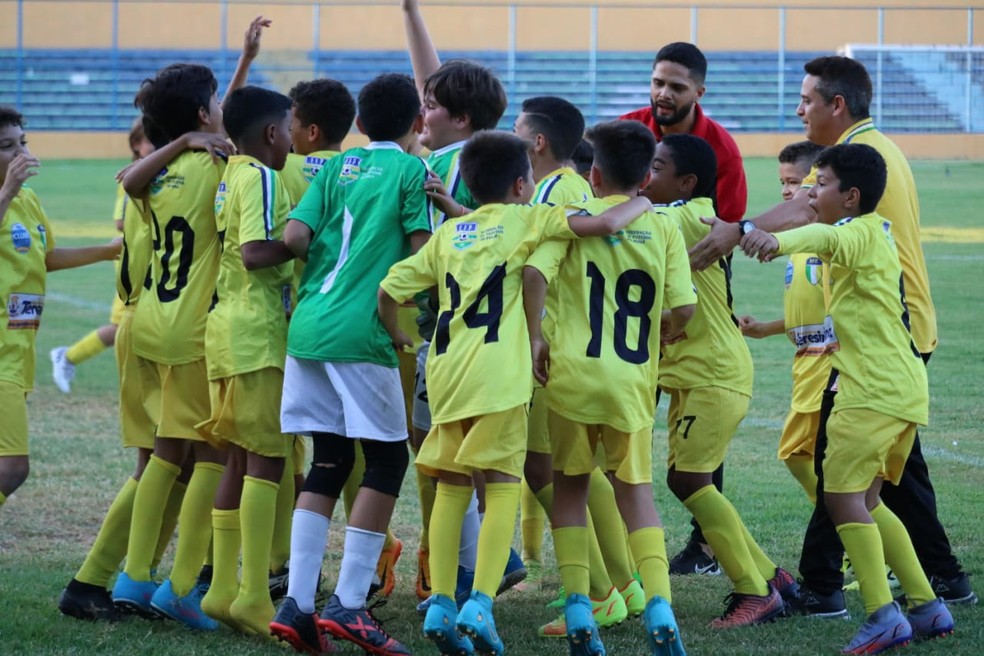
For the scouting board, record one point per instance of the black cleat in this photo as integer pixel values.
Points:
(88, 602)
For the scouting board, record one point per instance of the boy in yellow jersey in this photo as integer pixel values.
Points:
(459, 98)
(27, 253)
(65, 358)
(882, 390)
(582, 159)
(805, 309)
(601, 386)
(169, 337)
(246, 341)
(480, 421)
(708, 376)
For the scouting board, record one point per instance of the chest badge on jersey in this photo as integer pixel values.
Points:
(814, 270)
(616, 239)
(158, 182)
(21, 237)
(789, 273)
(351, 170)
(465, 234)
(220, 196)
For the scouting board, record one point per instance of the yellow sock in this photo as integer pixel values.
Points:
(169, 521)
(495, 537)
(426, 490)
(601, 582)
(148, 512)
(901, 556)
(608, 526)
(532, 521)
(723, 530)
(863, 545)
(450, 504)
(109, 548)
(226, 540)
(195, 526)
(280, 546)
(804, 473)
(571, 546)
(87, 347)
(766, 567)
(257, 511)
(649, 548)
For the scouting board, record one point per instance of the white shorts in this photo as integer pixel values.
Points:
(353, 399)
(421, 418)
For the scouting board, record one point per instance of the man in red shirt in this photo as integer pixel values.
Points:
(677, 86)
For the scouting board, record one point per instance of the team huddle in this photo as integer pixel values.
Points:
(510, 307)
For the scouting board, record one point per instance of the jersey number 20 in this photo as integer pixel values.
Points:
(177, 225)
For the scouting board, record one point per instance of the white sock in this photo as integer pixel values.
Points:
(359, 559)
(308, 540)
(470, 526)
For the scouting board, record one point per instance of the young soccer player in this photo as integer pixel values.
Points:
(582, 158)
(882, 391)
(480, 421)
(65, 358)
(708, 377)
(601, 386)
(365, 210)
(805, 309)
(169, 338)
(245, 342)
(27, 253)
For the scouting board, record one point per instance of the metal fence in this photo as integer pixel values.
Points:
(75, 66)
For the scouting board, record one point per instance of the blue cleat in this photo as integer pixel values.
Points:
(515, 572)
(886, 628)
(439, 627)
(582, 630)
(475, 621)
(930, 620)
(187, 609)
(463, 588)
(134, 596)
(662, 629)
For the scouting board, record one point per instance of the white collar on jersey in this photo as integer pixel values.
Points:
(383, 145)
(449, 147)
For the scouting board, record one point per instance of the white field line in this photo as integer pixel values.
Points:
(78, 302)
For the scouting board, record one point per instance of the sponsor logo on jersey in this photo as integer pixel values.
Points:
(220, 195)
(351, 169)
(814, 270)
(158, 182)
(44, 237)
(21, 237)
(789, 273)
(616, 239)
(814, 340)
(24, 311)
(465, 234)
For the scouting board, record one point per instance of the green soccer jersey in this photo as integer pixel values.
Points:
(368, 201)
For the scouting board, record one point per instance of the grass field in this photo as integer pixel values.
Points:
(78, 465)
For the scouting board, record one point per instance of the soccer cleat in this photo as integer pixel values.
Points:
(358, 625)
(561, 601)
(582, 630)
(423, 574)
(884, 629)
(930, 620)
(462, 590)
(748, 609)
(277, 582)
(386, 568)
(693, 560)
(634, 597)
(439, 627)
(134, 596)
(88, 602)
(515, 572)
(955, 591)
(607, 612)
(534, 576)
(300, 630)
(187, 609)
(787, 586)
(662, 629)
(475, 621)
(815, 604)
(62, 371)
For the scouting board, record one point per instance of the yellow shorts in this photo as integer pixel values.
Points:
(299, 455)
(495, 441)
(863, 445)
(138, 421)
(182, 395)
(246, 412)
(575, 450)
(799, 435)
(13, 427)
(116, 313)
(702, 422)
(537, 431)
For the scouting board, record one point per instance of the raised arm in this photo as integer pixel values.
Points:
(19, 170)
(423, 54)
(611, 220)
(251, 48)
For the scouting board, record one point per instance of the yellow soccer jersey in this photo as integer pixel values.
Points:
(714, 352)
(479, 360)
(247, 328)
(122, 200)
(900, 205)
(805, 313)
(880, 368)
(610, 294)
(133, 267)
(25, 241)
(169, 323)
(562, 187)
